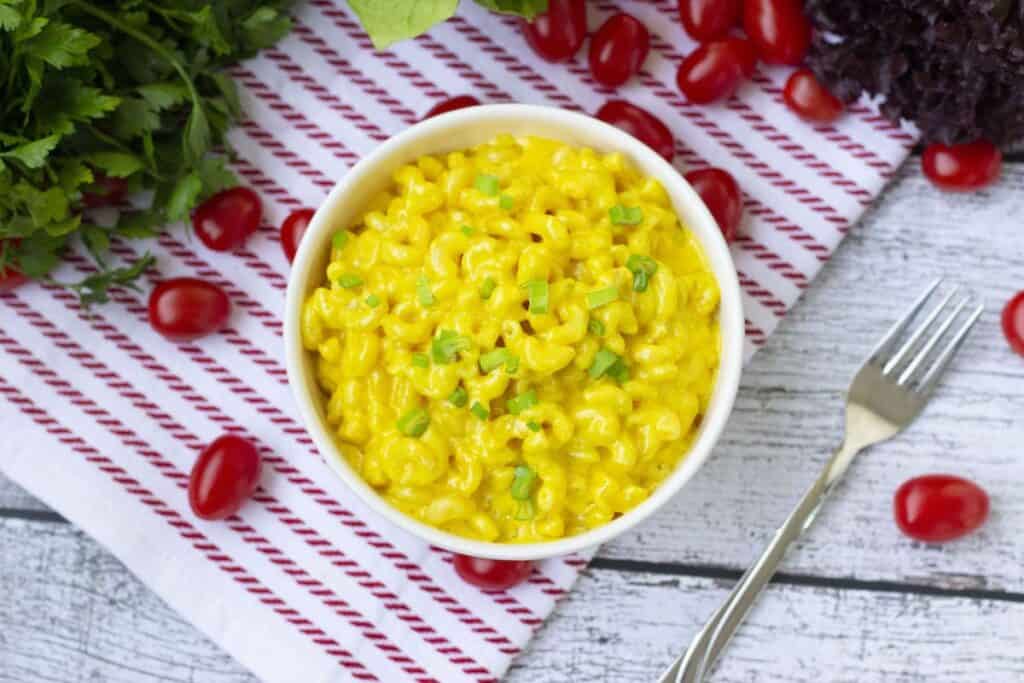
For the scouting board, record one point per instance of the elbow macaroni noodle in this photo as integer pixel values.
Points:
(500, 356)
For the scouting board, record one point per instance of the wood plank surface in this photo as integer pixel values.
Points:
(71, 613)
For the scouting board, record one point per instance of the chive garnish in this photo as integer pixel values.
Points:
(479, 410)
(487, 184)
(537, 290)
(373, 301)
(526, 511)
(523, 401)
(506, 202)
(602, 297)
(459, 397)
(414, 423)
(595, 327)
(643, 268)
(625, 215)
(420, 360)
(522, 484)
(619, 372)
(467, 231)
(446, 346)
(487, 288)
(348, 281)
(497, 357)
(423, 292)
(609, 363)
(533, 426)
(340, 239)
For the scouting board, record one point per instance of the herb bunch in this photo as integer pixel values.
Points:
(132, 90)
(955, 68)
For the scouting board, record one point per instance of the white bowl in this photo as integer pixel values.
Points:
(460, 130)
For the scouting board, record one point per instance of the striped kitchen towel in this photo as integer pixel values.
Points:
(102, 418)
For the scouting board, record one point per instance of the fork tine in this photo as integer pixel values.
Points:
(931, 377)
(897, 329)
(936, 337)
(918, 334)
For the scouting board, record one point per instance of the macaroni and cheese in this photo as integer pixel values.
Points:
(517, 342)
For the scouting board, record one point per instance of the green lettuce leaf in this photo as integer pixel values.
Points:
(524, 8)
(389, 21)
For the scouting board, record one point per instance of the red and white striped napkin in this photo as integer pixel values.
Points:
(102, 418)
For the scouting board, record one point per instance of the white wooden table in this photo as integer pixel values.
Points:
(856, 602)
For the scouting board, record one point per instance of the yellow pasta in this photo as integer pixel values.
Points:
(515, 343)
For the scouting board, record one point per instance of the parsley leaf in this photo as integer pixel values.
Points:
(95, 289)
(33, 154)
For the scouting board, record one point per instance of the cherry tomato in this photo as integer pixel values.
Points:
(105, 191)
(641, 124)
(809, 99)
(187, 308)
(939, 507)
(226, 473)
(495, 575)
(11, 279)
(962, 168)
(779, 29)
(556, 35)
(707, 20)
(618, 49)
(292, 230)
(722, 196)
(1013, 323)
(451, 104)
(715, 71)
(225, 220)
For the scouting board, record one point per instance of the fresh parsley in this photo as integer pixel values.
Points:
(102, 100)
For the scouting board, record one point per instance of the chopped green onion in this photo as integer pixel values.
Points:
(526, 511)
(603, 361)
(420, 360)
(487, 184)
(348, 281)
(447, 344)
(619, 372)
(459, 398)
(595, 327)
(602, 297)
(414, 422)
(426, 296)
(522, 484)
(479, 410)
(340, 239)
(625, 215)
(497, 357)
(642, 267)
(487, 288)
(506, 202)
(523, 401)
(537, 290)
(373, 301)
(467, 231)
(533, 426)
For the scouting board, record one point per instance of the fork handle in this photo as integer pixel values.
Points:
(712, 639)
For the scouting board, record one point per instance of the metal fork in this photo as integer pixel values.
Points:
(888, 392)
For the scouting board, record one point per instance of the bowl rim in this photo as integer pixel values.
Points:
(684, 199)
